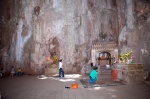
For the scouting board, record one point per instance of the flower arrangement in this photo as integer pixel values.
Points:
(127, 57)
(51, 60)
(55, 58)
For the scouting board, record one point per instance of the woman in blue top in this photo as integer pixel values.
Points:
(93, 75)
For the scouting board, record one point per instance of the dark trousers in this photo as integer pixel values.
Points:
(92, 80)
(19, 73)
(61, 72)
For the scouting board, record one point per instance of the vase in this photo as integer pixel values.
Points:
(128, 61)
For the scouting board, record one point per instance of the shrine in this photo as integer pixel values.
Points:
(104, 53)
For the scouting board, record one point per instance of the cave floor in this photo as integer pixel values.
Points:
(43, 87)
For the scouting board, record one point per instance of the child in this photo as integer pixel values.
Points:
(93, 75)
(61, 71)
(2, 72)
(19, 72)
(12, 72)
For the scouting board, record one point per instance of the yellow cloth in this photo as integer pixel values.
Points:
(19, 70)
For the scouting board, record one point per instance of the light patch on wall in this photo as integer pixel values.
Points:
(19, 46)
(48, 33)
(123, 34)
(90, 15)
(55, 4)
(116, 50)
(21, 41)
(47, 1)
(144, 51)
(57, 27)
(130, 17)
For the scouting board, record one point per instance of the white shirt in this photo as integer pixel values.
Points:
(60, 65)
(13, 70)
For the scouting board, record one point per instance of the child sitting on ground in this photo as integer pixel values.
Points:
(19, 72)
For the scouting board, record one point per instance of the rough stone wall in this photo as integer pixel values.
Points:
(134, 34)
(31, 31)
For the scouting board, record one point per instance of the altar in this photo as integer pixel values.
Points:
(129, 73)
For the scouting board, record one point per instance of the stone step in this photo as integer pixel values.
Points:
(105, 71)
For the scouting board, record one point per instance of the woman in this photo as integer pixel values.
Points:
(93, 75)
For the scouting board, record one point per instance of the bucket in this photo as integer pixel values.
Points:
(114, 74)
(74, 86)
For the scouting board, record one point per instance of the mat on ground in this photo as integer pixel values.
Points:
(100, 83)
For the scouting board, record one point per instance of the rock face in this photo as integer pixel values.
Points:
(34, 32)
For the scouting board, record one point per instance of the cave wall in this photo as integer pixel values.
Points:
(32, 31)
